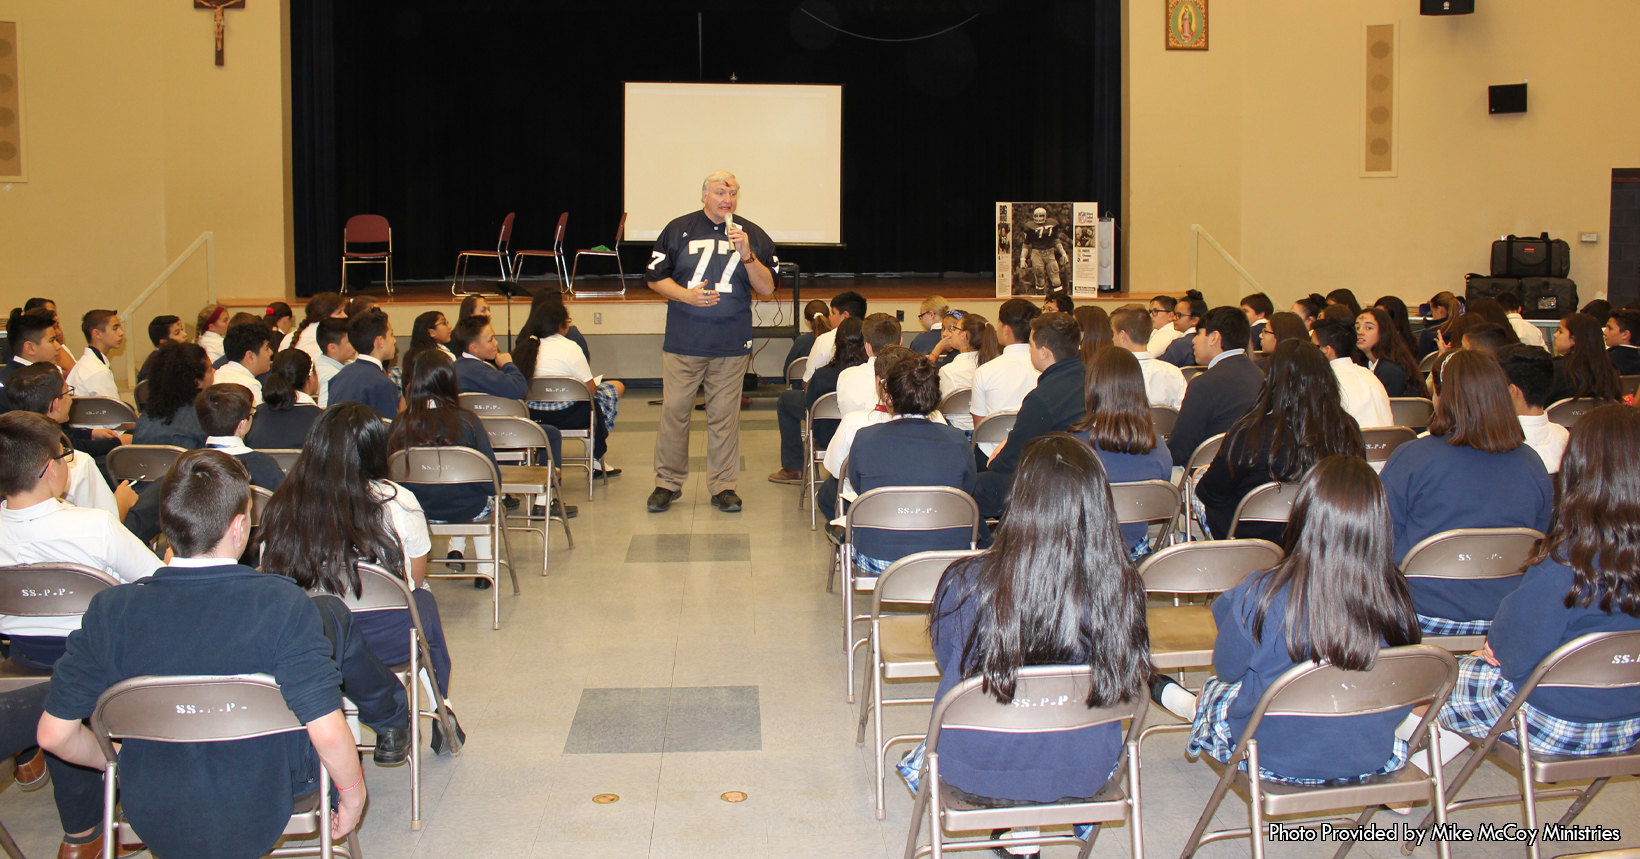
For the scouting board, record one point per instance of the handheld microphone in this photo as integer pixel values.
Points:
(729, 220)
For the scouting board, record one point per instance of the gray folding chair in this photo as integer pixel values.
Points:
(824, 409)
(523, 441)
(448, 466)
(140, 394)
(993, 428)
(1401, 677)
(1182, 636)
(796, 369)
(900, 647)
(1150, 502)
(1600, 660)
(380, 590)
(896, 508)
(1469, 553)
(1200, 458)
(1164, 417)
(141, 463)
(46, 590)
(205, 709)
(487, 406)
(958, 402)
(8, 773)
(1380, 442)
(1426, 365)
(1412, 412)
(100, 412)
(284, 457)
(259, 503)
(1629, 384)
(1567, 412)
(1192, 372)
(969, 706)
(562, 389)
(1269, 502)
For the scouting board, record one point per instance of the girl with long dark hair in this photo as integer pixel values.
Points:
(1056, 588)
(1346, 298)
(179, 372)
(1397, 310)
(337, 507)
(544, 349)
(1584, 577)
(1096, 330)
(1473, 470)
(1582, 368)
(1280, 328)
(1297, 420)
(850, 351)
(279, 319)
(1387, 355)
(288, 409)
(1118, 426)
(1336, 596)
(325, 305)
(974, 340)
(431, 330)
(816, 321)
(1309, 308)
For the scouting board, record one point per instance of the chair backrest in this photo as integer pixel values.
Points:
(957, 402)
(1380, 442)
(1427, 363)
(913, 508)
(140, 393)
(994, 428)
(366, 229)
(1567, 412)
(1192, 371)
(488, 406)
(99, 411)
(825, 408)
(259, 503)
(191, 709)
(1471, 553)
(442, 465)
(284, 457)
(1629, 385)
(1204, 452)
(1164, 417)
(1599, 660)
(1144, 501)
(1270, 502)
(512, 433)
(913, 578)
(1400, 677)
(1046, 698)
(797, 368)
(1412, 412)
(557, 389)
(620, 230)
(141, 462)
(50, 589)
(1207, 567)
(380, 590)
(506, 233)
(558, 232)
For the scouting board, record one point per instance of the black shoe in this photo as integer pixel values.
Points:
(437, 741)
(834, 533)
(510, 503)
(662, 498)
(480, 583)
(727, 501)
(1158, 683)
(456, 568)
(606, 472)
(562, 511)
(392, 746)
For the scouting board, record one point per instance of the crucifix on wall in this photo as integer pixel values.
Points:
(219, 8)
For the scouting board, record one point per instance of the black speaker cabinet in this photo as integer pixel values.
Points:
(1506, 98)
(1446, 7)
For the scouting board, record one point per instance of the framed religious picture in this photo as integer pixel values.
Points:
(1187, 25)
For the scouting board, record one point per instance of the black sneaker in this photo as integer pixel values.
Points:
(662, 498)
(392, 746)
(727, 501)
(510, 503)
(456, 568)
(481, 583)
(438, 741)
(562, 511)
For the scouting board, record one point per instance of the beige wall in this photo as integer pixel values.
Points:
(137, 143)
(1258, 138)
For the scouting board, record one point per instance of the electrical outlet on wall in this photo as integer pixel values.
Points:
(1590, 238)
(597, 319)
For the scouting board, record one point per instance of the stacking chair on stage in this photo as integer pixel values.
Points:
(1380, 442)
(563, 389)
(1164, 417)
(522, 441)
(203, 709)
(452, 465)
(614, 251)
(141, 463)
(502, 256)
(100, 412)
(46, 590)
(1200, 459)
(1269, 502)
(556, 255)
(896, 508)
(383, 591)
(1412, 412)
(970, 706)
(367, 230)
(1402, 677)
(1151, 502)
(1182, 636)
(1601, 660)
(1567, 412)
(900, 647)
(824, 409)
(1469, 553)
(285, 457)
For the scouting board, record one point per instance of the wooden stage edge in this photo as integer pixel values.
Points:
(874, 289)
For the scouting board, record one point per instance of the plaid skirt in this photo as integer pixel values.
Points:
(607, 401)
(1210, 733)
(865, 565)
(1482, 694)
(1442, 626)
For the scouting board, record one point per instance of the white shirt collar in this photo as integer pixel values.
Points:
(1341, 362)
(471, 355)
(1143, 355)
(236, 367)
(1190, 330)
(231, 445)
(337, 364)
(936, 327)
(303, 399)
(32, 512)
(1533, 421)
(1514, 316)
(18, 359)
(1016, 348)
(201, 562)
(1223, 355)
(372, 359)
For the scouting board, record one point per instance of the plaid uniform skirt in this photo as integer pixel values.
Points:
(910, 769)
(865, 565)
(1442, 626)
(605, 398)
(1482, 694)
(1210, 733)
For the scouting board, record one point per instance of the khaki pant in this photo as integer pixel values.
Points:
(680, 376)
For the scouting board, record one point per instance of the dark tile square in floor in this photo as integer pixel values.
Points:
(684, 719)
(686, 548)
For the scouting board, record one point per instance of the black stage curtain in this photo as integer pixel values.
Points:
(444, 116)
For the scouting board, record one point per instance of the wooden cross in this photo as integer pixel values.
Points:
(219, 7)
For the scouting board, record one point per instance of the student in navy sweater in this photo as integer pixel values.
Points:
(1117, 424)
(1297, 421)
(1217, 398)
(365, 380)
(1336, 596)
(178, 373)
(1007, 609)
(1054, 405)
(1473, 470)
(1181, 353)
(433, 417)
(1584, 578)
(288, 408)
(1583, 366)
(1623, 341)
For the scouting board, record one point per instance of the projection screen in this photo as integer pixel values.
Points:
(784, 142)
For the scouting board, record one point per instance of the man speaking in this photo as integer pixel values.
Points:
(707, 264)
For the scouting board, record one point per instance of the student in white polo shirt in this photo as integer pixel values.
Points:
(1164, 383)
(249, 354)
(91, 376)
(1364, 396)
(1001, 384)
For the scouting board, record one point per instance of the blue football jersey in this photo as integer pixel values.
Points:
(693, 252)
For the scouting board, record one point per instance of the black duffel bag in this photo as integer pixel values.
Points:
(1480, 286)
(1527, 257)
(1547, 297)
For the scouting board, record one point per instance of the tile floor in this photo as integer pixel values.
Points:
(663, 634)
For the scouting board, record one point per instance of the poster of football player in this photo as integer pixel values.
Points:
(1035, 258)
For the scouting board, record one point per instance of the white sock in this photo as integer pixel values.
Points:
(1031, 850)
(1179, 702)
(1403, 731)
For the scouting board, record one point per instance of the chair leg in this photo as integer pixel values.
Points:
(1255, 799)
(1136, 838)
(919, 807)
(1527, 793)
(1213, 801)
(876, 708)
(389, 262)
(9, 845)
(413, 689)
(847, 584)
(1583, 801)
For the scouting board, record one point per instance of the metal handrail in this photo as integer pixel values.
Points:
(208, 239)
(1196, 232)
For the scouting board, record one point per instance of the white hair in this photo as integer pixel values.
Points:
(721, 176)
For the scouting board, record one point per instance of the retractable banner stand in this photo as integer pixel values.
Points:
(1047, 247)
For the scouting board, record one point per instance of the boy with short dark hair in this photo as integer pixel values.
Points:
(1623, 341)
(91, 376)
(365, 380)
(224, 411)
(335, 352)
(1531, 375)
(249, 355)
(39, 388)
(857, 385)
(1056, 402)
(31, 343)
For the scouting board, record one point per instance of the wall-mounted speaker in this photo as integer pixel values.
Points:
(1506, 98)
(1446, 7)
(1378, 120)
